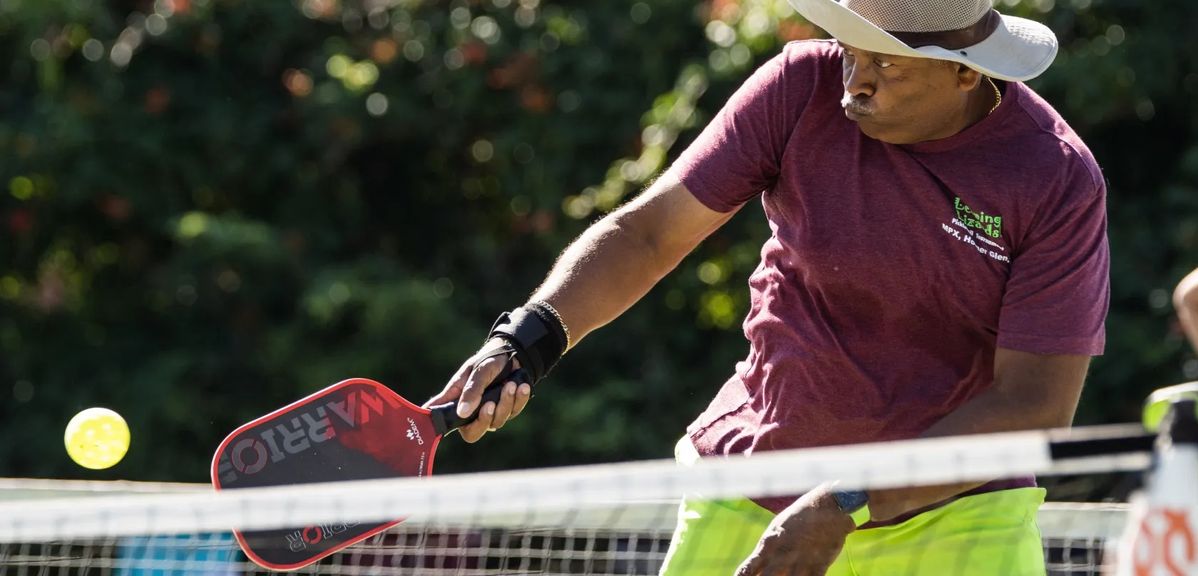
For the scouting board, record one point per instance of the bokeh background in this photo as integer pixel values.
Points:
(209, 208)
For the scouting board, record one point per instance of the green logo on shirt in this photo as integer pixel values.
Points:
(990, 225)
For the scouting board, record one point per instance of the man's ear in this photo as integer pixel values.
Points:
(968, 79)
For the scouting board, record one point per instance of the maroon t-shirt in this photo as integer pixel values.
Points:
(893, 271)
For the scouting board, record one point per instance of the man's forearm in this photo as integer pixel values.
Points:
(987, 413)
(619, 259)
(600, 275)
(1035, 392)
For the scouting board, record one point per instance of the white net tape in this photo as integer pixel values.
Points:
(603, 519)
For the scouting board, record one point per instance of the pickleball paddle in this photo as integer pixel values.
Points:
(356, 429)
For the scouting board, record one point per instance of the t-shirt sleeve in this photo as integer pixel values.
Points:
(1058, 293)
(739, 153)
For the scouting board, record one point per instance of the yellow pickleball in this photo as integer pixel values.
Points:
(97, 438)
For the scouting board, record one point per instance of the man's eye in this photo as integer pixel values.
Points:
(882, 64)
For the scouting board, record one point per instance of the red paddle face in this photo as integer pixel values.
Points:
(356, 429)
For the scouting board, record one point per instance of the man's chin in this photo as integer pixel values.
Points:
(867, 127)
(876, 131)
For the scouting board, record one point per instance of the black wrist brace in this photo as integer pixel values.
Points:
(535, 335)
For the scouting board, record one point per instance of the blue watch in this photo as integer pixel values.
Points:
(855, 503)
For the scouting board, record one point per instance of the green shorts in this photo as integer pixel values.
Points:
(991, 534)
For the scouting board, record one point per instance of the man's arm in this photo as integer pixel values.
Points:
(619, 258)
(1185, 300)
(600, 275)
(1030, 391)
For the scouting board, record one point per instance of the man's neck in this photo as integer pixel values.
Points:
(978, 105)
(982, 102)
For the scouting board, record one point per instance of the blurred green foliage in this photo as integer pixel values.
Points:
(212, 207)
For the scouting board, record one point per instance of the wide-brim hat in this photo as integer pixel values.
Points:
(967, 31)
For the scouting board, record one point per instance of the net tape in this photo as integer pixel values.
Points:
(552, 497)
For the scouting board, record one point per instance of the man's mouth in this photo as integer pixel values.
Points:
(856, 108)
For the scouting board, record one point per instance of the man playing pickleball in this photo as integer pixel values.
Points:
(938, 265)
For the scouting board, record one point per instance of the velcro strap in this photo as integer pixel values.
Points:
(537, 345)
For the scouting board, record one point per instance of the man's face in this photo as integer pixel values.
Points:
(902, 100)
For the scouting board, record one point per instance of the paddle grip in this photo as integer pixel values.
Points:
(445, 416)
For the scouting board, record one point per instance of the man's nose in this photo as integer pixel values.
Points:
(858, 81)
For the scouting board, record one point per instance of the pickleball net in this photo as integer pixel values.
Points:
(598, 519)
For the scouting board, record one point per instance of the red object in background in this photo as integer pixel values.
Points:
(20, 222)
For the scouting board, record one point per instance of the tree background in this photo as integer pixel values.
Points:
(209, 208)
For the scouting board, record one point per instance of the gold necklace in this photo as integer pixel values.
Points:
(997, 96)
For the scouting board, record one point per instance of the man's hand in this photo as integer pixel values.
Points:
(467, 386)
(803, 540)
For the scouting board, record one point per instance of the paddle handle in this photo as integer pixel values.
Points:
(445, 416)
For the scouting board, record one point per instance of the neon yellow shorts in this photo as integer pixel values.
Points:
(992, 534)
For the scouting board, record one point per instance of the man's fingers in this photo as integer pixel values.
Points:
(523, 395)
(509, 405)
(503, 406)
(753, 565)
(494, 415)
(758, 561)
(452, 390)
(475, 430)
(467, 388)
(482, 375)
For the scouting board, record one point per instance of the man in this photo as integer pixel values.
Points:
(1185, 301)
(938, 266)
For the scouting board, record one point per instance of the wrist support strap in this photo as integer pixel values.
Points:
(535, 335)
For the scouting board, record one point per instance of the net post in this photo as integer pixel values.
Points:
(1161, 537)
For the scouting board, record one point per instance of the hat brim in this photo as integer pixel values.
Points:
(1019, 49)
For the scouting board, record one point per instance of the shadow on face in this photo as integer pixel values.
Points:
(902, 100)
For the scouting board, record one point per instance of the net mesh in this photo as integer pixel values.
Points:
(1074, 544)
(604, 519)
